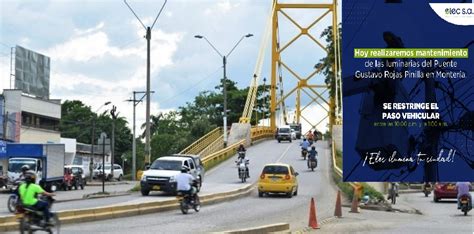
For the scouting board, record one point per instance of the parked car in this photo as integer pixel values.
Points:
(444, 190)
(160, 176)
(118, 172)
(278, 178)
(284, 134)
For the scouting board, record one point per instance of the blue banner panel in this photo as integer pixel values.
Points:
(408, 90)
(22, 150)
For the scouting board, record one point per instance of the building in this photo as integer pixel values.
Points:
(28, 119)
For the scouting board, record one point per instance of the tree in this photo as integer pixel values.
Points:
(326, 64)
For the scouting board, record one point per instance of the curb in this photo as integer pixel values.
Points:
(10, 223)
(94, 184)
(276, 227)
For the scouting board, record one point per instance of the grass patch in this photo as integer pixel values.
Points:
(136, 188)
(348, 191)
(127, 177)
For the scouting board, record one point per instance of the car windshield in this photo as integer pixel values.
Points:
(284, 130)
(275, 170)
(15, 165)
(166, 165)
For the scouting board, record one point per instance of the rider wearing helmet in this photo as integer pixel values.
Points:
(312, 154)
(24, 170)
(241, 152)
(184, 180)
(304, 145)
(28, 192)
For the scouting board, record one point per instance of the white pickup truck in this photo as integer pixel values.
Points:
(161, 174)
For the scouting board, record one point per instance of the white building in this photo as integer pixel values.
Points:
(27, 119)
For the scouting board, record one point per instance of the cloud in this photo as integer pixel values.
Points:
(89, 30)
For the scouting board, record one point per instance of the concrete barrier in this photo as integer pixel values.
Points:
(10, 223)
(277, 227)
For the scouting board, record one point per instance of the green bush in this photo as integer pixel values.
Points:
(339, 158)
(136, 188)
(368, 190)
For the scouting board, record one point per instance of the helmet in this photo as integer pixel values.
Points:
(30, 177)
(313, 147)
(184, 169)
(304, 139)
(25, 168)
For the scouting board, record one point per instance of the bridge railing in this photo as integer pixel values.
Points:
(215, 158)
(199, 145)
(258, 133)
(215, 146)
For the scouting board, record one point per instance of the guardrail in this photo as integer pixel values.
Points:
(257, 133)
(200, 144)
(221, 155)
(217, 145)
(333, 152)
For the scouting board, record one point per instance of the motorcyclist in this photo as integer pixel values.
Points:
(28, 192)
(310, 137)
(243, 160)
(241, 150)
(184, 182)
(312, 155)
(24, 170)
(463, 189)
(304, 145)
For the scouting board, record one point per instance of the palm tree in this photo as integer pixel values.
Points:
(154, 120)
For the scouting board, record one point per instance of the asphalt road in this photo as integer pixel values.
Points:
(245, 212)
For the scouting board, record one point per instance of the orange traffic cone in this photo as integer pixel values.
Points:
(338, 209)
(355, 204)
(313, 221)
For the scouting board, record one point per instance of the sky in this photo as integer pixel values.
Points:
(98, 50)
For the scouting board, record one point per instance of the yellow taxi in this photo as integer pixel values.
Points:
(278, 178)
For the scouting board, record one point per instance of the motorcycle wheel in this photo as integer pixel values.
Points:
(465, 213)
(184, 207)
(197, 204)
(24, 226)
(75, 186)
(11, 204)
(54, 224)
(312, 168)
(426, 193)
(304, 157)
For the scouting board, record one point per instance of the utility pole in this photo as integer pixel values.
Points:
(134, 143)
(114, 114)
(148, 38)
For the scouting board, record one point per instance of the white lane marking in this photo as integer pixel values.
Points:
(284, 153)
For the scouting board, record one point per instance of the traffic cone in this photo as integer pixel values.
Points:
(338, 209)
(355, 204)
(313, 221)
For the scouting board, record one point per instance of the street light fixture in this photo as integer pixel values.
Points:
(224, 80)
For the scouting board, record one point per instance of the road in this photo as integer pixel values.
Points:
(245, 212)
(441, 217)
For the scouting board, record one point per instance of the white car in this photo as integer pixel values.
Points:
(293, 134)
(118, 172)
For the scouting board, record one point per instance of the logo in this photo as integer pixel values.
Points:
(455, 13)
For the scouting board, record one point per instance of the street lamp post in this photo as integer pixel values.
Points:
(148, 38)
(264, 100)
(224, 80)
(91, 162)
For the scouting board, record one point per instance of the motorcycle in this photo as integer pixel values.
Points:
(13, 200)
(188, 201)
(304, 153)
(466, 205)
(243, 169)
(312, 163)
(32, 220)
(427, 188)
